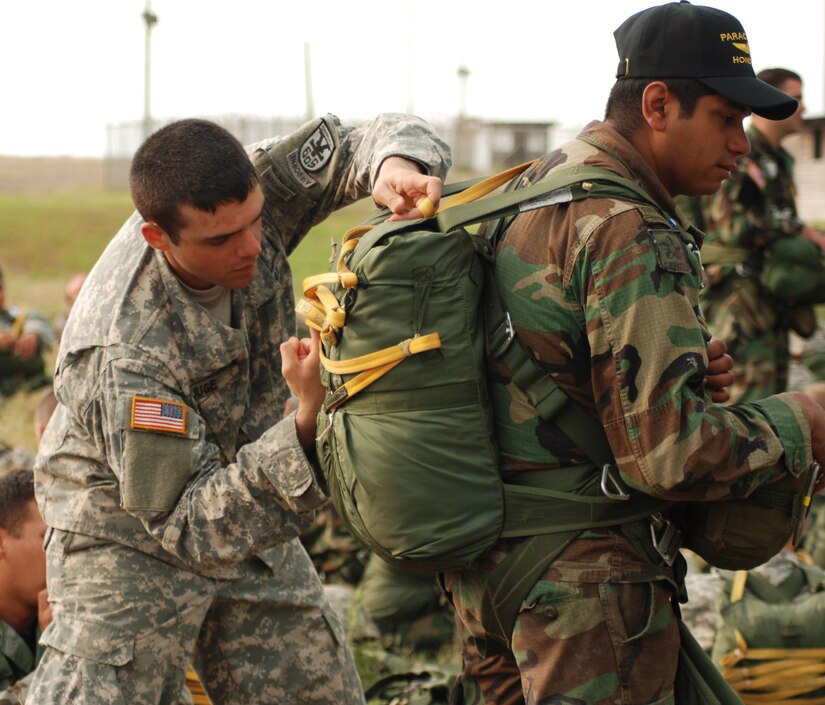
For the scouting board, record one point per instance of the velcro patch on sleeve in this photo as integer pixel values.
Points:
(158, 415)
(671, 253)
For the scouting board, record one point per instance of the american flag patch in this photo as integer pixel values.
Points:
(158, 415)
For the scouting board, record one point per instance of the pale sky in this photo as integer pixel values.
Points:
(70, 67)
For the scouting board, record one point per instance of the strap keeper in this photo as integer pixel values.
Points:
(334, 400)
(499, 340)
(666, 538)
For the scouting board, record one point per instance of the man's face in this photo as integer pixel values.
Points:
(695, 154)
(218, 248)
(795, 122)
(25, 556)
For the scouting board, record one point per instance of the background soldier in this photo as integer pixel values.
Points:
(24, 609)
(24, 336)
(753, 209)
(172, 486)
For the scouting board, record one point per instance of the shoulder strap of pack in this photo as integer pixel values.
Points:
(562, 186)
(538, 385)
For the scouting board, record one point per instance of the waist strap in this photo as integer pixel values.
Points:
(550, 519)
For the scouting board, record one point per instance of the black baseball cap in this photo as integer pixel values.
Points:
(681, 40)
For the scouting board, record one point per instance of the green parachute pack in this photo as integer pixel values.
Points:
(406, 436)
(770, 642)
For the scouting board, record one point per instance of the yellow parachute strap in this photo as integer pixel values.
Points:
(784, 675)
(373, 366)
(320, 307)
(737, 592)
(193, 683)
(17, 326)
(348, 243)
(804, 557)
(482, 188)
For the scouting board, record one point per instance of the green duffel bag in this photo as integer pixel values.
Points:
(794, 271)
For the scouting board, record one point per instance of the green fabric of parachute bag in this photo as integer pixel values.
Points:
(426, 428)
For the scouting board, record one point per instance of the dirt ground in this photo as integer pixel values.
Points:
(30, 175)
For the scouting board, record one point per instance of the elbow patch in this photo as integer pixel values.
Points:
(158, 444)
(156, 467)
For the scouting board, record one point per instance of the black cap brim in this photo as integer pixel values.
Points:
(762, 98)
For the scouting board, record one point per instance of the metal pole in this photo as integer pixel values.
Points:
(308, 81)
(151, 20)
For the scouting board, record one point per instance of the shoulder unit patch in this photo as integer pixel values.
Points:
(317, 149)
(671, 253)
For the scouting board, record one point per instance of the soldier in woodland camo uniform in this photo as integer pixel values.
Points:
(172, 487)
(605, 293)
(753, 209)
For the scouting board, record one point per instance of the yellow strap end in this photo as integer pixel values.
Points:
(427, 208)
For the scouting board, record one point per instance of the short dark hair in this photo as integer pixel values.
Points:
(16, 491)
(192, 162)
(624, 105)
(776, 77)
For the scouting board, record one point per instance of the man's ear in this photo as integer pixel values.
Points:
(156, 236)
(657, 104)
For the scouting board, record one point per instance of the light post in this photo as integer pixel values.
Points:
(151, 19)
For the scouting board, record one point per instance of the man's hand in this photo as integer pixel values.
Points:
(25, 347)
(6, 340)
(719, 375)
(44, 609)
(300, 365)
(402, 187)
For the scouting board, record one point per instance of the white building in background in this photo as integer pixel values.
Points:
(808, 149)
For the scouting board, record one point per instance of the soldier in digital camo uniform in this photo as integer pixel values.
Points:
(605, 293)
(753, 209)
(172, 487)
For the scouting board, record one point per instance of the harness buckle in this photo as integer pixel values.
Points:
(666, 538)
(499, 340)
(613, 487)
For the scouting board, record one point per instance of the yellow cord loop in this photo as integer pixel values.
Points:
(776, 676)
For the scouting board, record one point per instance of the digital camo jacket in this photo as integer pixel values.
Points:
(752, 210)
(606, 294)
(227, 478)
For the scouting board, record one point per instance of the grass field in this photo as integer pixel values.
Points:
(46, 237)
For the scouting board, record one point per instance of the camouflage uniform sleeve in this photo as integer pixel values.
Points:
(196, 506)
(325, 165)
(648, 362)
